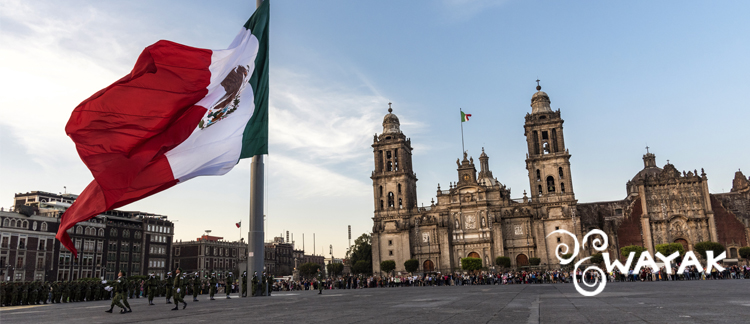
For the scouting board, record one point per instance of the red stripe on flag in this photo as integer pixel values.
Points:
(122, 132)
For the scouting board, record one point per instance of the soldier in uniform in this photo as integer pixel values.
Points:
(213, 285)
(255, 285)
(168, 285)
(179, 286)
(244, 284)
(185, 285)
(151, 286)
(228, 284)
(119, 288)
(263, 283)
(125, 285)
(320, 282)
(196, 286)
(270, 284)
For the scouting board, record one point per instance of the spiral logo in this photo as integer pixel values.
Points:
(599, 244)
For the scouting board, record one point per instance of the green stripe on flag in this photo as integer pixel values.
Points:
(255, 136)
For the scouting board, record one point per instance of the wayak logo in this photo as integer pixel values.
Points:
(645, 260)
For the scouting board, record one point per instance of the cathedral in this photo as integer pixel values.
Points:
(476, 216)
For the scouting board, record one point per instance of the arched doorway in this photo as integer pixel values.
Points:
(474, 255)
(522, 260)
(683, 242)
(428, 266)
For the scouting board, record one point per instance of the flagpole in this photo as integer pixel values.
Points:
(462, 131)
(255, 234)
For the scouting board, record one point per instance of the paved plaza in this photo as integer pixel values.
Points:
(723, 301)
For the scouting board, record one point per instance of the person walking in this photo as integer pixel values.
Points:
(213, 285)
(178, 286)
(119, 288)
(168, 285)
(244, 284)
(320, 282)
(228, 284)
(255, 285)
(151, 286)
(196, 286)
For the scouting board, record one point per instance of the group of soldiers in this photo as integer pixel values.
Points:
(174, 287)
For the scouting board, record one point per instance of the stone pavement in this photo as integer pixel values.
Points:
(722, 301)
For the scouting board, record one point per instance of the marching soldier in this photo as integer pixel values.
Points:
(213, 285)
(168, 285)
(119, 288)
(263, 283)
(185, 285)
(178, 285)
(244, 284)
(270, 284)
(320, 282)
(228, 284)
(196, 286)
(255, 285)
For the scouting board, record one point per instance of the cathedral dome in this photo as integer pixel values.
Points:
(540, 101)
(390, 122)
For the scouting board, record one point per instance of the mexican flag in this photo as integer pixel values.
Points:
(465, 117)
(182, 112)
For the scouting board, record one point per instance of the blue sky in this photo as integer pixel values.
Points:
(671, 75)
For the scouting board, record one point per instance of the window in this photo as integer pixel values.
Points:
(550, 184)
(557, 227)
(21, 242)
(6, 223)
(545, 135)
(540, 190)
(42, 244)
(560, 171)
(381, 195)
(44, 226)
(126, 233)
(389, 166)
(733, 253)
(124, 257)
(137, 235)
(390, 242)
(33, 226)
(555, 148)
(390, 200)
(562, 187)
(536, 142)
(399, 188)
(390, 252)
(79, 230)
(99, 246)
(25, 224)
(558, 240)
(618, 212)
(400, 204)
(78, 244)
(5, 241)
(538, 175)
(381, 204)
(113, 232)
(101, 232)
(19, 262)
(177, 251)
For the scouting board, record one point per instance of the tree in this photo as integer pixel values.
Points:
(361, 251)
(625, 251)
(597, 258)
(502, 261)
(309, 269)
(669, 248)
(411, 265)
(387, 266)
(745, 252)
(535, 261)
(362, 266)
(702, 247)
(335, 269)
(471, 264)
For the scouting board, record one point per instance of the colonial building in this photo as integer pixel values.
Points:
(279, 257)
(476, 216)
(209, 254)
(107, 243)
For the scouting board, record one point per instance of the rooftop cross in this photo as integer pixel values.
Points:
(389, 108)
(646, 149)
(538, 87)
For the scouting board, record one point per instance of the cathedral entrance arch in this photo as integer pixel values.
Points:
(683, 242)
(474, 255)
(428, 266)
(522, 260)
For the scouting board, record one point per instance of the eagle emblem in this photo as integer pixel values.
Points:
(233, 84)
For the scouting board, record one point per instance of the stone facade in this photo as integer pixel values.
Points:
(476, 216)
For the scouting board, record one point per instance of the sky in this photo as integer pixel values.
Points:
(671, 75)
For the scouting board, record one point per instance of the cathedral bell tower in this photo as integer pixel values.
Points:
(394, 183)
(548, 161)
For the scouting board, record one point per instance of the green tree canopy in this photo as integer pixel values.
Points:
(362, 267)
(502, 261)
(670, 248)
(411, 265)
(597, 258)
(387, 266)
(471, 264)
(625, 251)
(335, 269)
(361, 250)
(745, 252)
(535, 261)
(308, 270)
(702, 247)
